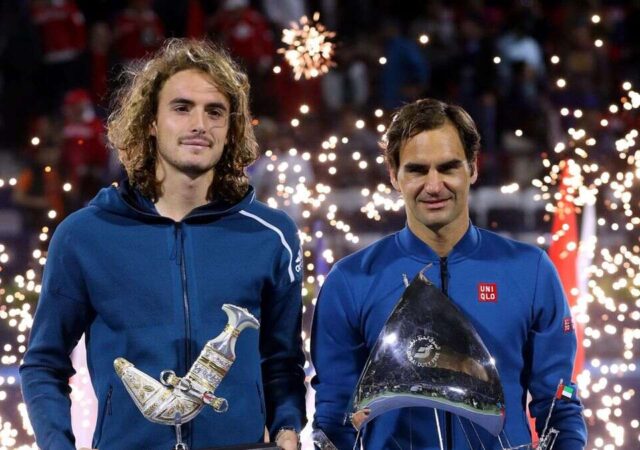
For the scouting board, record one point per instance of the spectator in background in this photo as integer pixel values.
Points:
(63, 40)
(284, 95)
(437, 21)
(476, 87)
(405, 74)
(518, 47)
(351, 18)
(347, 84)
(99, 48)
(247, 35)
(84, 152)
(282, 12)
(195, 26)
(137, 31)
(522, 88)
(523, 121)
(245, 32)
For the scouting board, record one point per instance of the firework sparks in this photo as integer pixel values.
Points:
(609, 309)
(309, 48)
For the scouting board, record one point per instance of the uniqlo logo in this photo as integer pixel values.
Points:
(567, 324)
(487, 292)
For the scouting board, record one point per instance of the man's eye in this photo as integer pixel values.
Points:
(181, 108)
(449, 169)
(216, 113)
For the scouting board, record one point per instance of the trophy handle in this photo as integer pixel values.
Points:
(240, 318)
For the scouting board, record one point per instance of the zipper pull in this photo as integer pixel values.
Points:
(444, 275)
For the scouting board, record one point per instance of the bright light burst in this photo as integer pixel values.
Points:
(309, 49)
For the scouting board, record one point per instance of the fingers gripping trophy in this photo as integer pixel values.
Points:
(174, 400)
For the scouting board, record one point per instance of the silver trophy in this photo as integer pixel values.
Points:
(174, 400)
(429, 354)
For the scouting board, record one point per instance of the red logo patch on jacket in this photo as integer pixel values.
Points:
(487, 292)
(567, 325)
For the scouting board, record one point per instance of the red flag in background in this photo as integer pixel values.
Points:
(563, 251)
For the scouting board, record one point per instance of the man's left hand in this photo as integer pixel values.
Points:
(287, 440)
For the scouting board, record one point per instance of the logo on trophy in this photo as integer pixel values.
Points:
(423, 351)
(175, 400)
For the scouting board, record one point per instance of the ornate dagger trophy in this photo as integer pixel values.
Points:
(174, 400)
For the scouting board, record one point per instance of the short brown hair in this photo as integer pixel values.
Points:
(136, 106)
(425, 115)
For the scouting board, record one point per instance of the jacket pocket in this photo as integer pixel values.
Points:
(102, 418)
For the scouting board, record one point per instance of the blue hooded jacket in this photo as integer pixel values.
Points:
(149, 289)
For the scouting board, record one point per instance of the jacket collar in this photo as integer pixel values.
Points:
(415, 247)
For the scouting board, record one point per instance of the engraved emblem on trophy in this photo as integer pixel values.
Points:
(176, 400)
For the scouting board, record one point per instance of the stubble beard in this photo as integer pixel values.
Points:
(192, 169)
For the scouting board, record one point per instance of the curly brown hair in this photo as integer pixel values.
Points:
(425, 115)
(136, 105)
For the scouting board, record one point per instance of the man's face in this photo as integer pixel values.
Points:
(191, 124)
(434, 178)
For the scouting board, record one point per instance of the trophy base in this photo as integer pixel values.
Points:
(246, 447)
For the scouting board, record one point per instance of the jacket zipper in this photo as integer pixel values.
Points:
(187, 315)
(444, 281)
(106, 412)
(185, 295)
(109, 400)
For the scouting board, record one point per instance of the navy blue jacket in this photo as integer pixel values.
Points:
(149, 289)
(524, 323)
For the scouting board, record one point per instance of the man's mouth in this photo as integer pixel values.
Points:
(435, 203)
(196, 142)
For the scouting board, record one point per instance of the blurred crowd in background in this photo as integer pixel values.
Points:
(527, 71)
(512, 65)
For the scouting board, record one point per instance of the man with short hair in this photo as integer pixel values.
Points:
(144, 270)
(431, 150)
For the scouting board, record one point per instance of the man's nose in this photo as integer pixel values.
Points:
(198, 122)
(433, 182)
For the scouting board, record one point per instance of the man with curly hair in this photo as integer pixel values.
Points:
(144, 270)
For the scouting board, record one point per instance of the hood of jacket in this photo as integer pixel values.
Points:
(126, 200)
